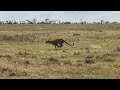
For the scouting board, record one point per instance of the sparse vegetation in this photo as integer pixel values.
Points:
(24, 53)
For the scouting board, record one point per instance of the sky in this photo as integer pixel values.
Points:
(72, 16)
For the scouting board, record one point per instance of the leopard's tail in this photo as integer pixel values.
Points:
(69, 44)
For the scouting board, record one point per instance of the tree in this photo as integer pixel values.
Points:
(84, 22)
(67, 23)
(94, 22)
(114, 22)
(102, 21)
(0, 22)
(29, 22)
(46, 20)
(42, 22)
(3, 22)
(14, 22)
(6, 22)
(107, 22)
(34, 20)
(59, 22)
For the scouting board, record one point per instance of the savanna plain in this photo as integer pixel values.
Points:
(25, 55)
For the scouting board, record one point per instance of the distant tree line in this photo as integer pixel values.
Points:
(47, 21)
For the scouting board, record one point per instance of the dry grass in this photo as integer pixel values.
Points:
(24, 53)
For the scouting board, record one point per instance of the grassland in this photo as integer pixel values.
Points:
(25, 55)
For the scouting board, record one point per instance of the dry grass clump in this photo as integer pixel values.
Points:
(52, 61)
(76, 52)
(25, 54)
(106, 57)
(7, 57)
(118, 49)
(18, 38)
(22, 54)
(89, 59)
(66, 62)
(76, 34)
